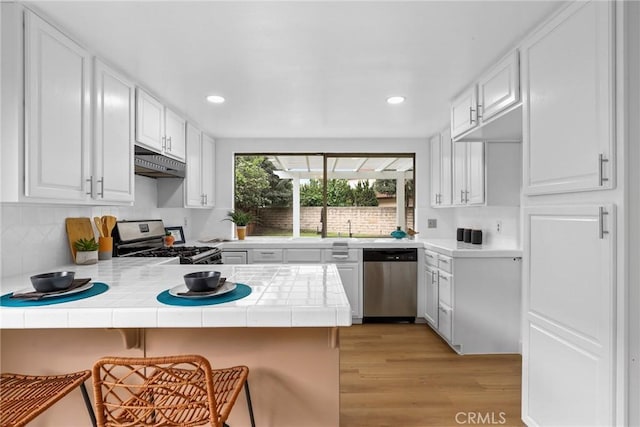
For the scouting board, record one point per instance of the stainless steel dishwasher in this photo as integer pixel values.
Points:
(390, 284)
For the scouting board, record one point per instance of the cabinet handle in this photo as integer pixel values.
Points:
(90, 181)
(164, 142)
(479, 116)
(471, 111)
(446, 261)
(170, 143)
(601, 161)
(429, 256)
(601, 230)
(206, 199)
(101, 181)
(466, 196)
(461, 196)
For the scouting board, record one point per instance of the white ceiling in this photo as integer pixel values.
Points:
(305, 68)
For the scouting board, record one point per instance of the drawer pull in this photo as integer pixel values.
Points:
(446, 261)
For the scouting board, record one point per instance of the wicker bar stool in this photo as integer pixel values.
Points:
(168, 391)
(24, 397)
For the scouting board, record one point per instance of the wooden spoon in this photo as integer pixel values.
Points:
(99, 225)
(109, 223)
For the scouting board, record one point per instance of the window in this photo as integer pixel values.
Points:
(288, 195)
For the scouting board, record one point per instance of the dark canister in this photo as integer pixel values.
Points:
(460, 234)
(467, 235)
(476, 237)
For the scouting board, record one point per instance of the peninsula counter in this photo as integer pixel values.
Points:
(286, 331)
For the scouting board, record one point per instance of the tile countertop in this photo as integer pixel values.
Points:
(457, 249)
(282, 296)
(449, 247)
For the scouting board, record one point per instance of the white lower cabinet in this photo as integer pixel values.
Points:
(445, 321)
(474, 303)
(569, 369)
(431, 311)
(234, 257)
(350, 274)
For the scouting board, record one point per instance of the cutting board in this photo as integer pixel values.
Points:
(78, 228)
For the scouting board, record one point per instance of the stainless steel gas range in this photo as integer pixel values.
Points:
(145, 238)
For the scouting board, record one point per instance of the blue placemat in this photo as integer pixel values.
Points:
(239, 292)
(96, 289)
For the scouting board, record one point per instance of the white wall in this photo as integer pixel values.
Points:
(209, 223)
(33, 238)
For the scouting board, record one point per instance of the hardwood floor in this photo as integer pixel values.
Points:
(404, 375)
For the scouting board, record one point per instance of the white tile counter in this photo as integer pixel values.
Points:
(453, 248)
(282, 296)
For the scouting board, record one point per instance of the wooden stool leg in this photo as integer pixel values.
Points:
(87, 402)
(249, 405)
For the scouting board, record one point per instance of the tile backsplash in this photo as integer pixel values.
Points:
(33, 237)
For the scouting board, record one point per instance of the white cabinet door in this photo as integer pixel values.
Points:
(174, 132)
(569, 316)
(434, 144)
(445, 167)
(193, 178)
(464, 112)
(208, 170)
(440, 146)
(431, 314)
(459, 173)
(113, 135)
(149, 121)
(568, 101)
(350, 276)
(468, 173)
(445, 322)
(57, 114)
(231, 257)
(499, 88)
(475, 173)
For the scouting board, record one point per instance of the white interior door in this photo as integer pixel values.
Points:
(569, 316)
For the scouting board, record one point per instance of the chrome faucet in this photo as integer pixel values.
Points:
(349, 224)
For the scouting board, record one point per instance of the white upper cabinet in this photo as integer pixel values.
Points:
(193, 190)
(568, 89)
(175, 130)
(113, 135)
(57, 114)
(485, 111)
(499, 88)
(149, 121)
(158, 128)
(200, 169)
(464, 112)
(440, 146)
(434, 146)
(208, 170)
(468, 173)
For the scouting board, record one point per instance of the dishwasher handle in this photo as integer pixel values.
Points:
(390, 255)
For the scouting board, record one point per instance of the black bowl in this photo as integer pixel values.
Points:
(49, 282)
(202, 281)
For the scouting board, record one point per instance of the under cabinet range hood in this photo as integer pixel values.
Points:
(154, 165)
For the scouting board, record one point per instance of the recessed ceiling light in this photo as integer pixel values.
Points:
(215, 99)
(395, 100)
